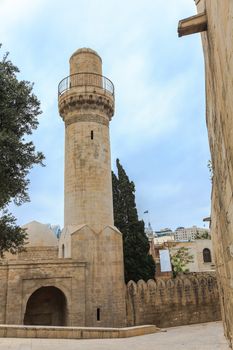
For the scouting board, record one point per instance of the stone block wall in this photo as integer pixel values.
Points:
(21, 278)
(3, 291)
(105, 286)
(38, 253)
(174, 302)
(218, 53)
(33, 253)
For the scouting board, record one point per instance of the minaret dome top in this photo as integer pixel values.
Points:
(85, 60)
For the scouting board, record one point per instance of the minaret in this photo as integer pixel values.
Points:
(86, 104)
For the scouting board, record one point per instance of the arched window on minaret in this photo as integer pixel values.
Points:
(63, 251)
(206, 255)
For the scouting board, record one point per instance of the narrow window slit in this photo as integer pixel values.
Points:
(98, 314)
(92, 134)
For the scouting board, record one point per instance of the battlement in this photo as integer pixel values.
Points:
(174, 302)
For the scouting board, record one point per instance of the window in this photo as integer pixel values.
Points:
(98, 314)
(63, 251)
(92, 134)
(206, 255)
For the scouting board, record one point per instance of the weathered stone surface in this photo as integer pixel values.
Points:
(174, 302)
(218, 53)
(84, 109)
(9, 331)
(21, 278)
(89, 235)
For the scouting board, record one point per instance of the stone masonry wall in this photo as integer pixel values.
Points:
(20, 279)
(38, 253)
(175, 302)
(218, 53)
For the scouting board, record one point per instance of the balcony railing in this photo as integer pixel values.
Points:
(85, 79)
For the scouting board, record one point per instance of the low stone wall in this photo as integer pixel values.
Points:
(174, 302)
(13, 331)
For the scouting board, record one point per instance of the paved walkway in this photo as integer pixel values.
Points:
(205, 336)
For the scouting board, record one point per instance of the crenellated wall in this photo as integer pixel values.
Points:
(187, 300)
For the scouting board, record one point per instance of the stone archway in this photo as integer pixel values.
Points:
(46, 306)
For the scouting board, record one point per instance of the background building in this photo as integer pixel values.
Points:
(180, 234)
(190, 233)
(202, 252)
(164, 232)
(200, 249)
(196, 239)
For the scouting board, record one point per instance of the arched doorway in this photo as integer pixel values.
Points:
(206, 255)
(47, 307)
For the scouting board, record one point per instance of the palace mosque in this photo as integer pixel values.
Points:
(78, 279)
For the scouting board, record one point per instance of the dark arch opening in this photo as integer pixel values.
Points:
(47, 307)
(206, 255)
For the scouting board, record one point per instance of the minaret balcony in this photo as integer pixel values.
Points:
(83, 91)
(86, 82)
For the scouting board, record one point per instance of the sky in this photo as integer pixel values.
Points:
(159, 129)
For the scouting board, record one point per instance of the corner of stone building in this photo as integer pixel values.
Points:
(201, 5)
(217, 46)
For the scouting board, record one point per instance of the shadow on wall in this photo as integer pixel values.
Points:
(47, 307)
(174, 302)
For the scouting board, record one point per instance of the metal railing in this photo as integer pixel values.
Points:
(85, 79)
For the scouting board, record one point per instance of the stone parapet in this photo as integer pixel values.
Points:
(174, 302)
(12, 331)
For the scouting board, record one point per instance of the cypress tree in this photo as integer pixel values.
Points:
(138, 263)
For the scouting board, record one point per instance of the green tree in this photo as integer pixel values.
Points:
(203, 235)
(180, 259)
(19, 109)
(138, 264)
(12, 236)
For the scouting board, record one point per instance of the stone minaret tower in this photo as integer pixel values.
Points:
(86, 104)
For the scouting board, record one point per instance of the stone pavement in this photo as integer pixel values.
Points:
(205, 336)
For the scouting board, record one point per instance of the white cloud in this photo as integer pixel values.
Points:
(140, 50)
(145, 109)
(14, 13)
